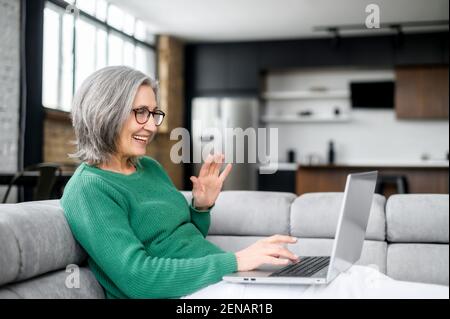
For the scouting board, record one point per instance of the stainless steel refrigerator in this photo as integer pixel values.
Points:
(210, 118)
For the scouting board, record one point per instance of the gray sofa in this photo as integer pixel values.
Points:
(407, 237)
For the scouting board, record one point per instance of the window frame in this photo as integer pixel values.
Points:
(109, 30)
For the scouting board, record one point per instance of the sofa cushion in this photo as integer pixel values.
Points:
(35, 239)
(420, 218)
(426, 263)
(373, 253)
(315, 215)
(53, 286)
(250, 213)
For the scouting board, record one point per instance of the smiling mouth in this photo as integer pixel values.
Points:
(141, 138)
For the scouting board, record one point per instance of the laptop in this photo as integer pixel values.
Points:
(347, 246)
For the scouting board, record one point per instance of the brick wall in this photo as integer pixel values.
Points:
(58, 137)
(170, 76)
(171, 79)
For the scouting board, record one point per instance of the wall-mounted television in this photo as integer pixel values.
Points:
(374, 95)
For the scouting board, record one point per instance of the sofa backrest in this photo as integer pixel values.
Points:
(315, 215)
(38, 240)
(408, 242)
(418, 238)
(240, 218)
(418, 218)
(247, 213)
(36, 243)
(314, 219)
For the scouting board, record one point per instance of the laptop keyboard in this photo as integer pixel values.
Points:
(306, 267)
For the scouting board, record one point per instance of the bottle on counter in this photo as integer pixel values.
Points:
(331, 153)
(291, 156)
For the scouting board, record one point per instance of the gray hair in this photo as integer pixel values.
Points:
(100, 107)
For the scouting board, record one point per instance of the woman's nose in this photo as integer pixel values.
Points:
(150, 125)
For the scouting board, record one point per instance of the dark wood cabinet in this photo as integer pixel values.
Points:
(433, 180)
(421, 92)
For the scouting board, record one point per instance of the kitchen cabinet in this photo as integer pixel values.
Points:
(243, 67)
(225, 68)
(367, 51)
(284, 54)
(415, 49)
(376, 51)
(421, 92)
(325, 178)
(210, 67)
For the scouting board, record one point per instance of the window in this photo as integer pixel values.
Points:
(104, 35)
(51, 58)
(85, 45)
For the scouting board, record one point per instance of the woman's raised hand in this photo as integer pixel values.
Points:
(207, 186)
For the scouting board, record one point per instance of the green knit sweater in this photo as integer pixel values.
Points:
(142, 237)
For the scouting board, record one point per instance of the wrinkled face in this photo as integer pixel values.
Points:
(134, 137)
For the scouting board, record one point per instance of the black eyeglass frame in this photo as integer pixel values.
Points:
(152, 113)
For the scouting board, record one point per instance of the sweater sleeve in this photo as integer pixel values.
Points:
(201, 218)
(97, 216)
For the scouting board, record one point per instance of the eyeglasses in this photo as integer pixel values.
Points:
(142, 115)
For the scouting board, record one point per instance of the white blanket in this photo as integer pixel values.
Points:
(357, 282)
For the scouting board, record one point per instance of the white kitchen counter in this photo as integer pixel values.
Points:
(282, 166)
(279, 166)
(427, 163)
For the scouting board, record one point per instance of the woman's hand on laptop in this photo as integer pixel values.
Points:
(266, 251)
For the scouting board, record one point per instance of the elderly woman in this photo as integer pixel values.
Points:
(142, 238)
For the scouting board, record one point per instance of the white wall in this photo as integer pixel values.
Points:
(371, 135)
